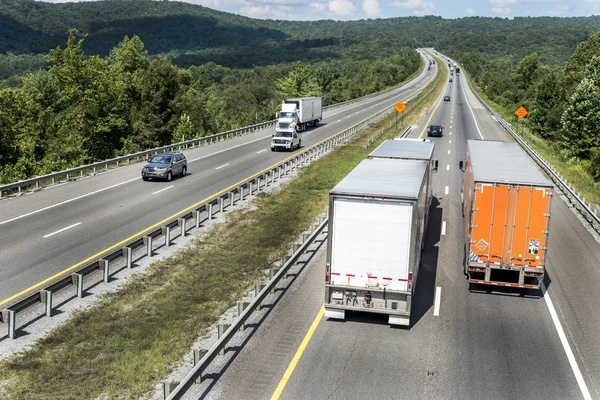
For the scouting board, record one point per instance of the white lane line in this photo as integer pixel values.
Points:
(258, 152)
(450, 133)
(446, 190)
(62, 230)
(448, 151)
(222, 166)
(565, 343)
(66, 201)
(436, 307)
(443, 227)
(162, 190)
(449, 141)
(230, 148)
(450, 126)
(472, 113)
(448, 167)
(339, 120)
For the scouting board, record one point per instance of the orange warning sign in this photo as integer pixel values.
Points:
(521, 112)
(400, 106)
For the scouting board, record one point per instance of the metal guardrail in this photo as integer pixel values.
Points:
(62, 176)
(576, 199)
(244, 314)
(197, 214)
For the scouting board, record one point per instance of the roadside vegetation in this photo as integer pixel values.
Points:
(130, 340)
(563, 102)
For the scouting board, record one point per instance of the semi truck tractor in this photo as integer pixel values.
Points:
(376, 232)
(296, 114)
(506, 209)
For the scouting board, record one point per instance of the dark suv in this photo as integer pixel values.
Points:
(165, 166)
(446, 98)
(435, 130)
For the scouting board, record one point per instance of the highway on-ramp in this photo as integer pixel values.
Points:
(462, 344)
(44, 233)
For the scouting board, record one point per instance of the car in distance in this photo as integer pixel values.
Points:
(450, 80)
(165, 166)
(446, 98)
(435, 130)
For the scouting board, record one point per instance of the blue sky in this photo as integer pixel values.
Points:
(359, 9)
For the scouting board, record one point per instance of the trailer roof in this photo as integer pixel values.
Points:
(384, 178)
(496, 161)
(302, 98)
(409, 149)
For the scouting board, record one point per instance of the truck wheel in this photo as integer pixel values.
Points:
(465, 261)
(316, 123)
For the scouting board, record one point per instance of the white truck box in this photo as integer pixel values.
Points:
(298, 113)
(376, 232)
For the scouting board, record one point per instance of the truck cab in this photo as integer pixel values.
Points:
(288, 119)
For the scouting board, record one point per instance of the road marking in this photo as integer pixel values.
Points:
(450, 126)
(448, 167)
(565, 343)
(162, 190)
(258, 152)
(339, 120)
(135, 235)
(450, 133)
(66, 201)
(222, 166)
(450, 141)
(443, 227)
(472, 113)
(446, 190)
(294, 362)
(436, 307)
(229, 148)
(62, 230)
(448, 151)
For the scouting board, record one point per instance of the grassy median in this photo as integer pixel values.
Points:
(132, 339)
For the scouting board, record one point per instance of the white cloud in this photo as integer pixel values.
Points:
(502, 3)
(419, 7)
(206, 3)
(318, 7)
(470, 11)
(558, 10)
(371, 8)
(341, 8)
(267, 11)
(501, 10)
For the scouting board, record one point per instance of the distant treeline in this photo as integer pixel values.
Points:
(87, 108)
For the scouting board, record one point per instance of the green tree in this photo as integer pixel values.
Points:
(546, 107)
(298, 83)
(525, 71)
(581, 118)
(185, 130)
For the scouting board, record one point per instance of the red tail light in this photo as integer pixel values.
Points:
(410, 276)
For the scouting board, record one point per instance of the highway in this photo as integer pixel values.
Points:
(46, 232)
(502, 345)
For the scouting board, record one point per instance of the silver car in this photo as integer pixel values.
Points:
(165, 166)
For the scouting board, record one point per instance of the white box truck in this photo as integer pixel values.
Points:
(296, 114)
(376, 232)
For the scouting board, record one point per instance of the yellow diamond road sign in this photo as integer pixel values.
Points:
(400, 106)
(521, 112)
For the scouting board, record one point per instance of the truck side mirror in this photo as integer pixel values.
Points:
(461, 165)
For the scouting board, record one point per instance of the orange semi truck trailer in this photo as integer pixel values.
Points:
(506, 207)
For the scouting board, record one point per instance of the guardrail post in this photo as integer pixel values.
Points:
(250, 188)
(77, 280)
(221, 204)
(128, 256)
(197, 218)
(210, 210)
(148, 243)
(46, 297)
(104, 266)
(166, 231)
(199, 355)
(10, 316)
(168, 387)
(241, 191)
(231, 194)
(181, 223)
(221, 329)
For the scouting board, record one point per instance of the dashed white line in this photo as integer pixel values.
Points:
(448, 167)
(258, 152)
(62, 230)
(448, 151)
(162, 190)
(222, 166)
(450, 133)
(436, 307)
(446, 190)
(472, 113)
(449, 141)
(67, 201)
(443, 227)
(565, 343)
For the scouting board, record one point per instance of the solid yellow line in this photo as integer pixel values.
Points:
(294, 362)
(114, 246)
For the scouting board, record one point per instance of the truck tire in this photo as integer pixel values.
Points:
(316, 123)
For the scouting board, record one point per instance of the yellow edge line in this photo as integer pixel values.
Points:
(80, 263)
(298, 355)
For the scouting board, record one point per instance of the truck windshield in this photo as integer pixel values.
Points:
(287, 115)
(283, 134)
